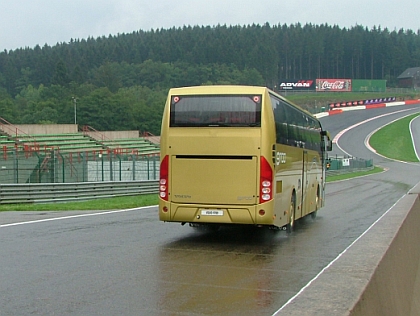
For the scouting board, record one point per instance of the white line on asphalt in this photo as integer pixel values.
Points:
(74, 216)
(338, 136)
(416, 150)
(336, 258)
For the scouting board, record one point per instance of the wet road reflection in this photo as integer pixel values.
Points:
(234, 271)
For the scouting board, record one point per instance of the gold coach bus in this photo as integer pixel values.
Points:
(239, 155)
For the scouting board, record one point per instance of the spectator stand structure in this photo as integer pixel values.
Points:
(59, 153)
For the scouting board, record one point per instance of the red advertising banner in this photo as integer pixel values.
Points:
(333, 85)
(367, 102)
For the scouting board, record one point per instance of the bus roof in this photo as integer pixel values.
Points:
(218, 89)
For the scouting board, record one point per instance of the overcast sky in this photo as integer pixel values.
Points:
(27, 23)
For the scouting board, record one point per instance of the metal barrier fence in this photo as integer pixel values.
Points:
(63, 192)
(52, 166)
(29, 177)
(340, 165)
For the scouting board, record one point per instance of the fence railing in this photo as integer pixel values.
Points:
(340, 165)
(83, 176)
(52, 166)
(64, 192)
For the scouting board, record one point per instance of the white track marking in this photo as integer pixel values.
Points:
(74, 216)
(335, 259)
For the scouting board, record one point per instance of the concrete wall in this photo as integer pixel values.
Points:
(394, 288)
(31, 129)
(41, 129)
(378, 275)
(111, 135)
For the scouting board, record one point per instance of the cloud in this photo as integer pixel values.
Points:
(31, 22)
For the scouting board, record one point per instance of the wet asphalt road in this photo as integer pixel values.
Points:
(129, 263)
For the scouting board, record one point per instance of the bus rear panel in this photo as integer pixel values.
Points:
(220, 163)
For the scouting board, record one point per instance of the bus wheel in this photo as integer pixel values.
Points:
(314, 213)
(291, 224)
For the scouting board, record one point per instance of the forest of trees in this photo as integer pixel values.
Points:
(120, 82)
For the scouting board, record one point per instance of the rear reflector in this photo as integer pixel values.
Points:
(266, 181)
(163, 180)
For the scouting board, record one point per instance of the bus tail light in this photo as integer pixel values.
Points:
(266, 181)
(163, 179)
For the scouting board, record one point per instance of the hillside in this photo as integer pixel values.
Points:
(120, 82)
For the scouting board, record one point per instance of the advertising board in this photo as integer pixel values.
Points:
(297, 84)
(333, 85)
(362, 85)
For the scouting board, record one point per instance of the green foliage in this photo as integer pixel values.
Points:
(120, 97)
(61, 76)
(120, 82)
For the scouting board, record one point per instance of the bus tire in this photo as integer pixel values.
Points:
(291, 224)
(314, 213)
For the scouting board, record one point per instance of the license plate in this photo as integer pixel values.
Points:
(212, 212)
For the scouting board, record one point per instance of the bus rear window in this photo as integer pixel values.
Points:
(216, 111)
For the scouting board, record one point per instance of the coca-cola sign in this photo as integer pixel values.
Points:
(333, 85)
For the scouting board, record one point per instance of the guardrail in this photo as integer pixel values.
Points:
(64, 192)
(339, 165)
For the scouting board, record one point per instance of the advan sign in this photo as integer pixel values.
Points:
(304, 84)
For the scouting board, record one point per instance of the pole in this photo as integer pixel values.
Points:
(75, 110)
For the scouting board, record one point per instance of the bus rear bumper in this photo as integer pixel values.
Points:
(220, 214)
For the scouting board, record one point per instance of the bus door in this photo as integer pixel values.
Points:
(305, 203)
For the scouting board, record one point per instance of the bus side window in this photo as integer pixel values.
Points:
(280, 119)
(281, 133)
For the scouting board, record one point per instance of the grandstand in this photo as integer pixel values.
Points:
(5, 142)
(67, 142)
(123, 142)
(57, 153)
(66, 138)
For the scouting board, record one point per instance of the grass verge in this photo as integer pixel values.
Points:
(346, 176)
(394, 140)
(116, 203)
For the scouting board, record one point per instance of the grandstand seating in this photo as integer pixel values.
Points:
(78, 142)
(27, 156)
(67, 139)
(68, 142)
(6, 144)
(139, 145)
